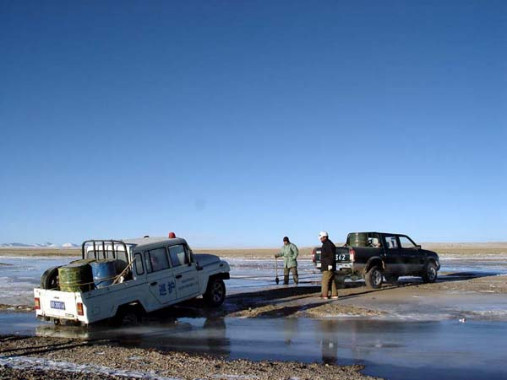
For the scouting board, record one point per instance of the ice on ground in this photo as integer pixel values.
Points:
(19, 275)
(40, 364)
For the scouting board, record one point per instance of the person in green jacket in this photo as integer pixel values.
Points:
(289, 252)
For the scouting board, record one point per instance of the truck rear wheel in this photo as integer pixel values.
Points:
(430, 273)
(127, 316)
(373, 278)
(215, 293)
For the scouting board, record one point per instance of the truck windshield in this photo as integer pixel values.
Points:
(405, 242)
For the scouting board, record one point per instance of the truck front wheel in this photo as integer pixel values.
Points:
(430, 273)
(373, 278)
(215, 293)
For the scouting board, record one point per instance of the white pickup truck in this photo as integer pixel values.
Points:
(149, 274)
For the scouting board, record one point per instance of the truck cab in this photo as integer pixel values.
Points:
(169, 271)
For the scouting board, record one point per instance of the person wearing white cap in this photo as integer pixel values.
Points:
(328, 266)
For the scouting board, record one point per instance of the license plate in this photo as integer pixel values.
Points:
(57, 305)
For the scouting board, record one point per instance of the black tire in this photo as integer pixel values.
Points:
(340, 281)
(430, 272)
(127, 316)
(392, 278)
(374, 278)
(49, 279)
(215, 293)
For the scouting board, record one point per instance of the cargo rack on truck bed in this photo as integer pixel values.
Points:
(106, 249)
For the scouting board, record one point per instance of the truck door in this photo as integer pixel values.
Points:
(160, 278)
(394, 255)
(185, 271)
(412, 254)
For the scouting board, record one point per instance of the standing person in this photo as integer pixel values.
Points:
(289, 252)
(328, 266)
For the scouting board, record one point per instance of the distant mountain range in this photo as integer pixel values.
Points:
(39, 245)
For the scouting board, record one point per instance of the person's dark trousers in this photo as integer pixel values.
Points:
(328, 280)
(286, 272)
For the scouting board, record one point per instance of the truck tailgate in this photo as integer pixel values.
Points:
(342, 257)
(57, 304)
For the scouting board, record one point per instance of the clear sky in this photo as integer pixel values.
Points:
(234, 123)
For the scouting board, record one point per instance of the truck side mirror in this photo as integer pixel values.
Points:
(418, 246)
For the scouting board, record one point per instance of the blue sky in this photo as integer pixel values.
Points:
(236, 123)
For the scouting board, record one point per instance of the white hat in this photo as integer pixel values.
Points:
(322, 234)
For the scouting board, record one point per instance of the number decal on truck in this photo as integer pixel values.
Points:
(57, 305)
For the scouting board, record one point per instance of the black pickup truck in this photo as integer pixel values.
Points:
(375, 255)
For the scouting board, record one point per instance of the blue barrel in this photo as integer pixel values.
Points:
(104, 272)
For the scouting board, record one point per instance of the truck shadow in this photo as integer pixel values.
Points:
(248, 301)
(415, 281)
(163, 332)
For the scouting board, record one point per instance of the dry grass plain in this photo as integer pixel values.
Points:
(446, 249)
(64, 252)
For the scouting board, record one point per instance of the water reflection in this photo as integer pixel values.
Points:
(391, 349)
(290, 329)
(200, 335)
(329, 341)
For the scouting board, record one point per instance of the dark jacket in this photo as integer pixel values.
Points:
(327, 255)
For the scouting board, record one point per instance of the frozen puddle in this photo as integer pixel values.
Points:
(390, 349)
